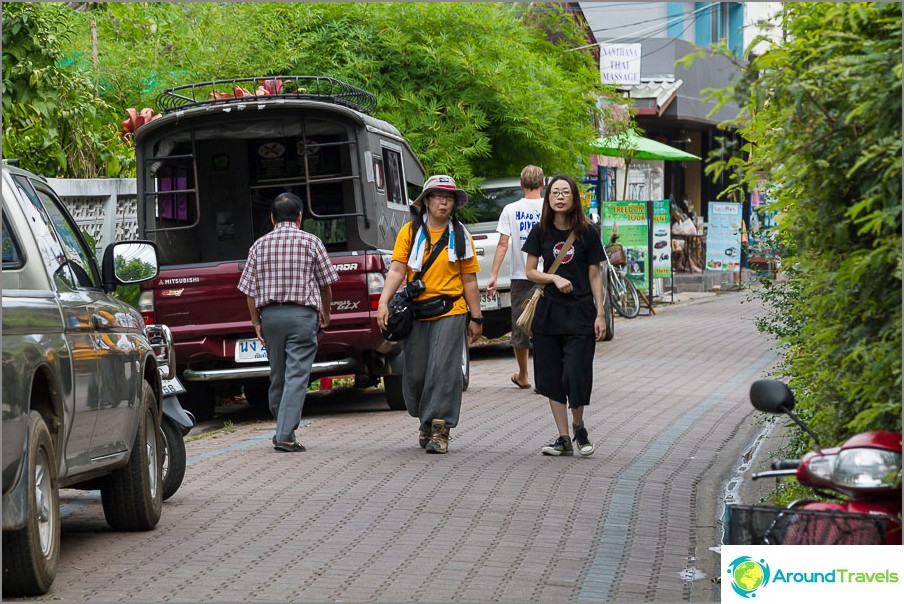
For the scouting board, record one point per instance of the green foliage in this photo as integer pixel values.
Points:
(822, 119)
(128, 294)
(52, 122)
(478, 89)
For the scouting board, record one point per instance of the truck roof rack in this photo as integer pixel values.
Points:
(244, 90)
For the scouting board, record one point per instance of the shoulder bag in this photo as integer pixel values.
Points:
(526, 319)
(403, 310)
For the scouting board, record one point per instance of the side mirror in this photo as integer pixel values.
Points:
(771, 396)
(129, 262)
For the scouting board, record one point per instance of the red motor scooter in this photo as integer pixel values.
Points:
(860, 480)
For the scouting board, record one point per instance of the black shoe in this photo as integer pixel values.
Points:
(582, 440)
(560, 446)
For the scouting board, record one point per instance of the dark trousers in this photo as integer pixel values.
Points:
(563, 367)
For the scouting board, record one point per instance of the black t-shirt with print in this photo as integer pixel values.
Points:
(573, 313)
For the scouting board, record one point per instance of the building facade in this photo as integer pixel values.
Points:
(667, 97)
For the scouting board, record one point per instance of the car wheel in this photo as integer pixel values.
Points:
(133, 496)
(173, 468)
(30, 554)
(392, 385)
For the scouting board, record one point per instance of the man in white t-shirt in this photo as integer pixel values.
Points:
(515, 222)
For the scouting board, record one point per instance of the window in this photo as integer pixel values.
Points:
(490, 201)
(173, 206)
(71, 261)
(392, 162)
(12, 257)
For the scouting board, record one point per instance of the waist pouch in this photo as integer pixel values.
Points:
(433, 307)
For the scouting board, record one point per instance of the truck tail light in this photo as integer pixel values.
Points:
(375, 283)
(146, 306)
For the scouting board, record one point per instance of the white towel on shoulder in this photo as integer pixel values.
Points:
(416, 260)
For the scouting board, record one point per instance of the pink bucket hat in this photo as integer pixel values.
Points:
(441, 182)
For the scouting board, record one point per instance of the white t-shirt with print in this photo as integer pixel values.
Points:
(516, 221)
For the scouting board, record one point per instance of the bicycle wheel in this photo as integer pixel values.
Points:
(625, 299)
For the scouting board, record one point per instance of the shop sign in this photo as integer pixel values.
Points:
(620, 63)
(629, 220)
(723, 237)
(662, 239)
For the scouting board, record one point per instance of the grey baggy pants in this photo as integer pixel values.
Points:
(433, 379)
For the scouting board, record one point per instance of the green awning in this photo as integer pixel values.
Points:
(633, 146)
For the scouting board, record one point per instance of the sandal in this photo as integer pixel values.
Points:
(293, 447)
(520, 385)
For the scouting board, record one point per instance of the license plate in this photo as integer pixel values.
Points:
(488, 302)
(172, 387)
(250, 351)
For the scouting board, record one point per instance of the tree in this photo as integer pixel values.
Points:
(52, 121)
(478, 89)
(822, 120)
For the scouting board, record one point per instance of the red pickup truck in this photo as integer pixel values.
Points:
(208, 169)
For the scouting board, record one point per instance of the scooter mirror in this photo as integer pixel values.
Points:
(771, 396)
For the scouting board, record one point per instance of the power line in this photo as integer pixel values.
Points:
(651, 30)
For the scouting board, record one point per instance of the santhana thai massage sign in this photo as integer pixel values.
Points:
(629, 220)
(723, 237)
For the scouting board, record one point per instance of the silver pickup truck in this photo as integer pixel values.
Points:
(82, 394)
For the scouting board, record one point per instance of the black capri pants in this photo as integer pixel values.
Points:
(563, 367)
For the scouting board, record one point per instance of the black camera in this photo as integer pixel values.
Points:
(414, 289)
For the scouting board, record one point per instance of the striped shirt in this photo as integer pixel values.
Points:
(287, 265)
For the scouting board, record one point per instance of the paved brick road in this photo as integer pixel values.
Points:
(365, 515)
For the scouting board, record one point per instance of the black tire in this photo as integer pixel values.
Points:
(173, 468)
(465, 365)
(610, 319)
(133, 495)
(632, 299)
(623, 294)
(392, 385)
(30, 554)
(200, 399)
(257, 392)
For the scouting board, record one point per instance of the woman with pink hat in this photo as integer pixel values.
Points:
(447, 304)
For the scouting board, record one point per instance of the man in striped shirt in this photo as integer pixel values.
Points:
(287, 281)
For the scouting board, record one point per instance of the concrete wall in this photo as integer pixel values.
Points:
(106, 208)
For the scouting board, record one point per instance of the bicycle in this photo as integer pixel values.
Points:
(620, 288)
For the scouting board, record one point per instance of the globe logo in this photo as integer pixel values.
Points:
(748, 575)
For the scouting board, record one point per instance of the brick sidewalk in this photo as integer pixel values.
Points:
(365, 515)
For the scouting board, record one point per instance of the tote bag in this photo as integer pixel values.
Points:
(526, 320)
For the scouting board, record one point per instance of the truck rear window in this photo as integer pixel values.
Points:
(239, 172)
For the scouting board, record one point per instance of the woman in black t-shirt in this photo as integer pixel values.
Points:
(570, 317)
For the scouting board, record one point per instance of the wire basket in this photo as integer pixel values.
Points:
(767, 525)
(616, 254)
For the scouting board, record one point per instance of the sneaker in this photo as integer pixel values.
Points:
(582, 440)
(439, 440)
(560, 446)
(422, 438)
